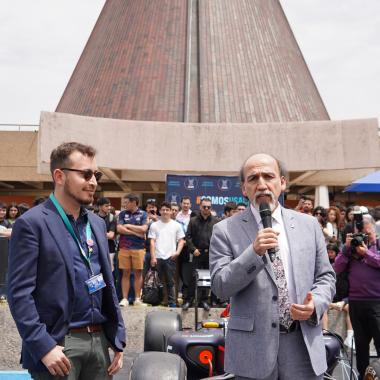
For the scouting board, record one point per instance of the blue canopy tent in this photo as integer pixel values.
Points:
(367, 184)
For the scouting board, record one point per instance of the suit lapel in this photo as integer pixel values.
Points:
(249, 224)
(59, 233)
(250, 227)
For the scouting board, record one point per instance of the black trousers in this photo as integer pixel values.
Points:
(166, 270)
(188, 278)
(365, 319)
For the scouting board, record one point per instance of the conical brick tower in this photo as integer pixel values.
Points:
(227, 61)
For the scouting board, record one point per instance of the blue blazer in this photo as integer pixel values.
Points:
(41, 283)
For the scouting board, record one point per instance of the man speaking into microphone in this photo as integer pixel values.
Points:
(277, 300)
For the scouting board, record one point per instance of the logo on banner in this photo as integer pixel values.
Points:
(190, 183)
(224, 184)
(174, 198)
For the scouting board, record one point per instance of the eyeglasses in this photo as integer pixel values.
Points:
(206, 207)
(86, 173)
(318, 213)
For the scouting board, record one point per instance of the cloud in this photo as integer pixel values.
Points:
(40, 44)
(339, 40)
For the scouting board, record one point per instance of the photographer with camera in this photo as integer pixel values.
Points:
(360, 257)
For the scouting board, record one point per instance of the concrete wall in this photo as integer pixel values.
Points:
(161, 147)
(18, 157)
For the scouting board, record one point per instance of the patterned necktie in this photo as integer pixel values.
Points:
(283, 295)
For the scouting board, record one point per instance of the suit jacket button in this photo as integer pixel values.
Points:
(274, 325)
(274, 298)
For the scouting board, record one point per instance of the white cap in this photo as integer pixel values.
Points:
(364, 210)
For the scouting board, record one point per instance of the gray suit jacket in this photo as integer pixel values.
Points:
(237, 272)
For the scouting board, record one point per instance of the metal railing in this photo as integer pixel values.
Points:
(19, 127)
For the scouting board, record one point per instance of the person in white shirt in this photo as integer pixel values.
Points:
(183, 217)
(166, 243)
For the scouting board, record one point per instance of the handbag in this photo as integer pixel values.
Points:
(152, 292)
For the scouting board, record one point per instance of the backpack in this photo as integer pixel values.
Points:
(152, 292)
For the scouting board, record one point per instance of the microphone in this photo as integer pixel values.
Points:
(266, 219)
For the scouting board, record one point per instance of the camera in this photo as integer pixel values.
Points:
(358, 238)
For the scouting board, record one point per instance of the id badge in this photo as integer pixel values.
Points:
(95, 283)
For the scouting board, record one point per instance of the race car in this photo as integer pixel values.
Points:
(174, 353)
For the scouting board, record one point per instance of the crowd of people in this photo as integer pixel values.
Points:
(62, 244)
(134, 246)
(159, 236)
(174, 239)
(353, 246)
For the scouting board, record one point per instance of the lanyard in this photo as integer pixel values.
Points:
(89, 241)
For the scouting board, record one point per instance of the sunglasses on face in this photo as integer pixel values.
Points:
(206, 207)
(86, 173)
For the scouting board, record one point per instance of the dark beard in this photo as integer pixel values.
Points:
(82, 202)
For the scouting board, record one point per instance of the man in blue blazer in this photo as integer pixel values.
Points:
(274, 329)
(61, 292)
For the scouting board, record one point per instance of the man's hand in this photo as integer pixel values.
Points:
(153, 261)
(57, 362)
(174, 256)
(117, 363)
(337, 305)
(305, 311)
(153, 217)
(348, 240)
(361, 250)
(197, 252)
(265, 239)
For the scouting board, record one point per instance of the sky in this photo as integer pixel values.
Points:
(41, 42)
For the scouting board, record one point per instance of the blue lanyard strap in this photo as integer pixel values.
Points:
(65, 219)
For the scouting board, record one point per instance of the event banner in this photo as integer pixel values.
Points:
(219, 189)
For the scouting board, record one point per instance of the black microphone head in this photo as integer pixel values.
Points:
(265, 210)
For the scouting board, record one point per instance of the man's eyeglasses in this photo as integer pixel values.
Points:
(86, 173)
(206, 207)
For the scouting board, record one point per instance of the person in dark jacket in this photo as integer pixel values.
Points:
(198, 236)
(61, 292)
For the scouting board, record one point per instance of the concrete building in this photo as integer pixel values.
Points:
(208, 81)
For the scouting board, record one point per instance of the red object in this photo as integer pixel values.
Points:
(205, 356)
(226, 312)
(220, 358)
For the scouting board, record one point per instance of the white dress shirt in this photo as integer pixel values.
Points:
(283, 246)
